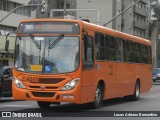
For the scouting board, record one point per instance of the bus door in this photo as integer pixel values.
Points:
(88, 68)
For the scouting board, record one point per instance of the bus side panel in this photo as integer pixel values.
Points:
(110, 80)
(127, 85)
(143, 72)
(87, 92)
(149, 74)
(120, 82)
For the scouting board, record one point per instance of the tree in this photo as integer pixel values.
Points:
(156, 25)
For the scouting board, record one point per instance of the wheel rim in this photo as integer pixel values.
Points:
(137, 90)
(98, 95)
(0, 93)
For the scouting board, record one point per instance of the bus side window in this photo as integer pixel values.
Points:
(88, 58)
(119, 50)
(137, 51)
(144, 54)
(149, 55)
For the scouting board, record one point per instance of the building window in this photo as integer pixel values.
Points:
(137, 18)
(4, 5)
(10, 6)
(142, 6)
(130, 29)
(140, 33)
(147, 9)
(1, 4)
(133, 31)
(5, 29)
(134, 17)
(60, 6)
(137, 32)
(146, 21)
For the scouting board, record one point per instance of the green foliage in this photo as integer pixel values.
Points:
(155, 23)
(156, 10)
(152, 26)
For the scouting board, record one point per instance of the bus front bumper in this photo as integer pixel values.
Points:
(72, 96)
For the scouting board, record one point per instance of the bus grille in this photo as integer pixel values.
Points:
(38, 87)
(43, 94)
(50, 80)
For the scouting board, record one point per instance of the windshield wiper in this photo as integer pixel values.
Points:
(56, 41)
(35, 42)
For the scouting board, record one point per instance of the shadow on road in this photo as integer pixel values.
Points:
(70, 107)
(156, 83)
(8, 99)
(73, 110)
(3, 100)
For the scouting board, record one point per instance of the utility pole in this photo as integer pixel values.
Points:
(121, 12)
(65, 4)
(32, 5)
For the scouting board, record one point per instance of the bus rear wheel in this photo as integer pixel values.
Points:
(136, 94)
(0, 93)
(43, 104)
(98, 97)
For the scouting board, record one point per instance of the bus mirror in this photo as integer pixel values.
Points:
(7, 45)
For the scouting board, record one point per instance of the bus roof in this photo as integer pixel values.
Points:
(98, 28)
(50, 19)
(116, 33)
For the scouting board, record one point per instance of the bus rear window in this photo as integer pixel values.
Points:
(49, 28)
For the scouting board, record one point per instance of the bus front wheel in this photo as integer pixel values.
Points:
(98, 97)
(43, 104)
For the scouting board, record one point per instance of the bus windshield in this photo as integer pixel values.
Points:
(47, 55)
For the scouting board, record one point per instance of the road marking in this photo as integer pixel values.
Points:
(17, 106)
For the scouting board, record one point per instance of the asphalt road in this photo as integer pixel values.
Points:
(149, 101)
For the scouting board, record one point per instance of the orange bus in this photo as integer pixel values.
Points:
(60, 60)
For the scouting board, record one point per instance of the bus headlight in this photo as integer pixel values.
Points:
(18, 83)
(71, 85)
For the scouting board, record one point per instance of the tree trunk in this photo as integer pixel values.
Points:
(158, 47)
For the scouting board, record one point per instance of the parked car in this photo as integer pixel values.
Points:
(156, 74)
(6, 81)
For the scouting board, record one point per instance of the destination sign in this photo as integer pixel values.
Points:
(49, 27)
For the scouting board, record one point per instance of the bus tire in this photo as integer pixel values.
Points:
(0, 93)
(136, 94)
(43, 105)
(98, 97)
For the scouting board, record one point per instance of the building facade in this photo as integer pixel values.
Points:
(134, 21)
(55, 5)
(9, 25)
(137, 19)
